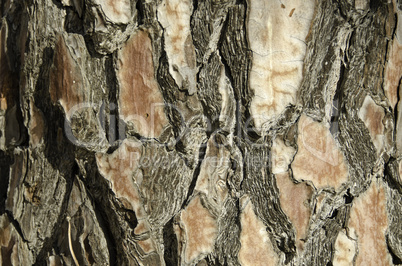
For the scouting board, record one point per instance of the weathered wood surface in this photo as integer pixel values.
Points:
(185, 132)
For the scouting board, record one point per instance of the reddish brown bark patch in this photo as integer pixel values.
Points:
(13, 251)
(200, 229)
(256, 247)
(393, 73)
(369, 221)
(118, 168)
(8, 79)
(318, 158)
(372, 116)
(118, 11)
(140, 100)
(294, 199)
(345, 250)
(66, 81)
(36, 125)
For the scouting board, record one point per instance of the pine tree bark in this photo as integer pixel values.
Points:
(186, 132)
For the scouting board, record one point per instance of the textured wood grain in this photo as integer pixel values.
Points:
(277, 35)
(345, 249)
(372, 116)
(140, 100)
(368, 221)
(256, 247)
(174, 16)
(66, 80)
(116, 11)
(14, 250)
(318, 157)
(200, 230)
(295, 202)
(200, 132)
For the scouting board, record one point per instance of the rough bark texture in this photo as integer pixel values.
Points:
(186, 132)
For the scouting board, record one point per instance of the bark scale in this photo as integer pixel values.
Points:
(185, 132)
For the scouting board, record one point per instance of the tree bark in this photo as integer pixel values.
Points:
(186, 132)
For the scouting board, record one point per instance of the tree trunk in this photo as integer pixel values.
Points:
(186, 132)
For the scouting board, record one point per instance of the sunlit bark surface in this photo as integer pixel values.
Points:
(188, 132)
